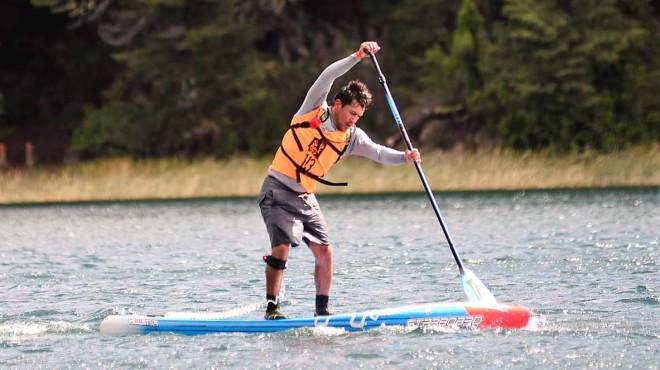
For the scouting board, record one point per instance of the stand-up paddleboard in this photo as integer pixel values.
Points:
(437, 315)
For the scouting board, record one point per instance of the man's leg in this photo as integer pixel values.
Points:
(274, 276)
(322, 275)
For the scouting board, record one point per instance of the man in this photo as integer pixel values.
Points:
(319, 135)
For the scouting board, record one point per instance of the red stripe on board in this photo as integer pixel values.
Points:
(506, 317)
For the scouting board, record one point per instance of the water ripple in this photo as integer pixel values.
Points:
(585, 261)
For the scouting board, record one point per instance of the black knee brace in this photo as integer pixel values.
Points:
(275, 262)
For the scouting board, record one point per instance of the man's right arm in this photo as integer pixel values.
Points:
(318, 92)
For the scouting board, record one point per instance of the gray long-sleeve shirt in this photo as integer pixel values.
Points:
(360, 144)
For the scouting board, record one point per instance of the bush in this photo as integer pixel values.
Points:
(114, 129)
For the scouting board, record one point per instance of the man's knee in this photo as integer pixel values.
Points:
(278, 257)
(322, 253)
(280, 251)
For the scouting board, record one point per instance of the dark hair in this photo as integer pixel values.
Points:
(355, 90)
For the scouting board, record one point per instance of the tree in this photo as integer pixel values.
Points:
(557, 74)
(218, 77)
(447, 78)
(193, 72)
(452, 76)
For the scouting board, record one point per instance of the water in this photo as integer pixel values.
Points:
(587, 262)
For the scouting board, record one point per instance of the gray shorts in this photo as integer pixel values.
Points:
(291, 217)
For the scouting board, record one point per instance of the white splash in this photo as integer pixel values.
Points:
(18, 330)
(326, 331)
(236, 312)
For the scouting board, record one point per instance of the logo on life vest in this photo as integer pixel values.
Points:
(316, 147)
(314, 150)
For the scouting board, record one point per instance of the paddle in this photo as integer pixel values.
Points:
(475, 290)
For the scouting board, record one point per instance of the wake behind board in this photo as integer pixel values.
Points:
(459, 315)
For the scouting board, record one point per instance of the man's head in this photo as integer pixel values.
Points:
(350, 104)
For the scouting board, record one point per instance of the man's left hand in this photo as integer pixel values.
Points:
(413, 156)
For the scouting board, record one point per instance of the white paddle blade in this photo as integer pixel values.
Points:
(475, 290)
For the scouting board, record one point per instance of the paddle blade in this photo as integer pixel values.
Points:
(475, 290)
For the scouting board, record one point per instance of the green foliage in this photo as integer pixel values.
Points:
(556, 76)
(452, 76)
(263, 134)
(414, 27)
(223, 77)
(114, 129)
(193, 86)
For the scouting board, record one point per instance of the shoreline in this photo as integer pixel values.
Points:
(74, 203)
(124, 179)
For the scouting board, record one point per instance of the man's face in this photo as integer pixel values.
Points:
(346, 116)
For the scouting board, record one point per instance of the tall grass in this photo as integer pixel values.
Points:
(123, 178)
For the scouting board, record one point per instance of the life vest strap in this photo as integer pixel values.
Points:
(307, 124)
(295, 136)
(300, 169)
(301, 125)
(339, 152)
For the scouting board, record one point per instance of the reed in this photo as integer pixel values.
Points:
(174, 178)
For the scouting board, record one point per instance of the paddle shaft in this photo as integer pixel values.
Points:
(418, 166)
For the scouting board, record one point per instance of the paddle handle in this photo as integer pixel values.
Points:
(418, 166)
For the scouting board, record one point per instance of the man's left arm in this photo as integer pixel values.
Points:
(362, 145)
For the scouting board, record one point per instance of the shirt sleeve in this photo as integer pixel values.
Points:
(318, 92)
(362, 145)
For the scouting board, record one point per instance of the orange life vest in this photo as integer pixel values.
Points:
(308, 151)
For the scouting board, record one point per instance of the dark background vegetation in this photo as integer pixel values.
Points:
(150, 78)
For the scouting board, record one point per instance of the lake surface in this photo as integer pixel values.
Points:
(586, 262)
